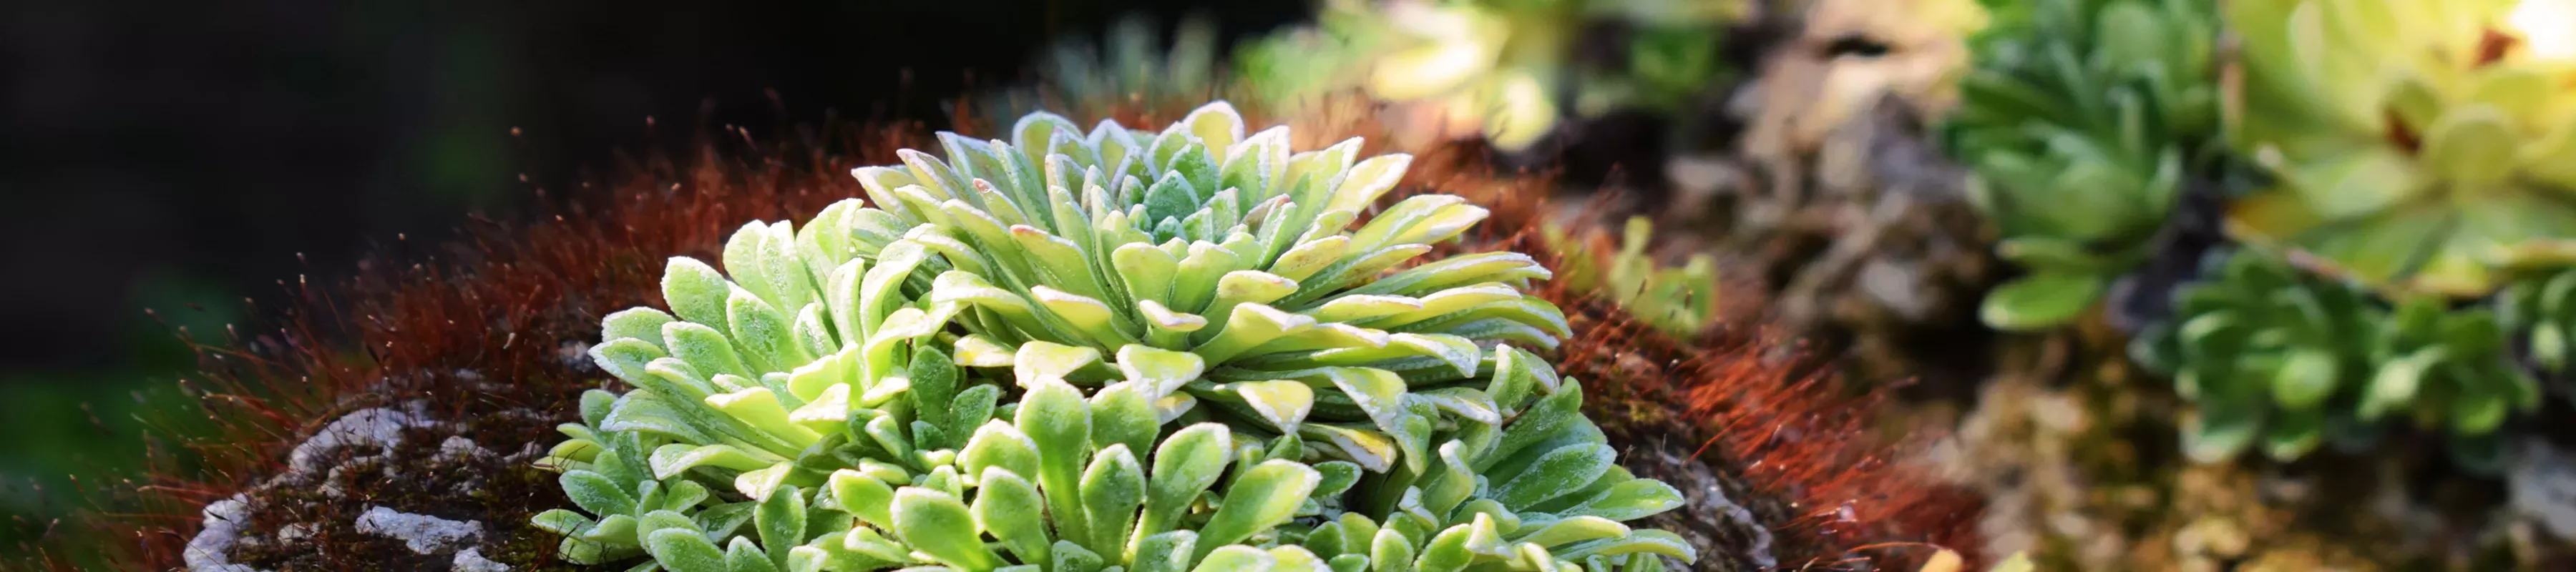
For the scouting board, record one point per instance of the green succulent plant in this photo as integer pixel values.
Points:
(1501, 64)
(981, 354)
(1492, 63)
(2274, 356)
(2081, 121)
(2269, 356)
(2418, 145)
(1300, 63)
(1671, 55)
(609, 474)
(1131, 64)
(2447, 368)
(2542, 308)
(1677, 300)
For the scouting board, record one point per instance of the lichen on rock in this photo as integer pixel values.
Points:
(210, 550)
(380, 428)
(421, 533)
(383, 485)
(472, 560)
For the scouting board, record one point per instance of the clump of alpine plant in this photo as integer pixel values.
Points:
(1108, 349)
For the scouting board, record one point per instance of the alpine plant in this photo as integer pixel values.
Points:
(2423, 146)
(1104, 350)
(2286, 361)
(2083, 120)
(1676, 300)
(2542, 307)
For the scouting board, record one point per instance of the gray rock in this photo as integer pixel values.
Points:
(211, 550)
(2542, 482)
(380, 428)
(459, 448)
(421, 533)
(472, 560)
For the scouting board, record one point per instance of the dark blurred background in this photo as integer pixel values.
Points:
(181, 155)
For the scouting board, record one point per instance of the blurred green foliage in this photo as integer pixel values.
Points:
(2542, 307)
(2279, 358)
(1131, 65)
(2082, 121)
(1506, 66)
(1678, 300)
(82, 429)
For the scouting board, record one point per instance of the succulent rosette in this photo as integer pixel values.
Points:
(1077, 350)
(2272, 358)
(2083, 120)
(2287, 361)
(2417, 145)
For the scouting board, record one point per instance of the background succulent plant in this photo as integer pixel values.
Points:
(2081, 121)
(2541, 307)
(1678, 300)
(1131, 65)
(2448, 369)
(1334, 412)
(1498, 68)
(2275, 357)
(1668, 55)
(2270, 356)
(2416, 143)
(1302, 62)
(1493, 65)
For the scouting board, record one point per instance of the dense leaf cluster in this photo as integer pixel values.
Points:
(2543, 308)
(2412, 159)
(1112, 349)
(2082, 121)
(2289, 361)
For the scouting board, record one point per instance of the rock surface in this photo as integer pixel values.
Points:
(390, 488)
(1710, 519)
(211, 550)
(421, 533)
(228, 523)
(2542, 482)
(472, 560)
(380, 428)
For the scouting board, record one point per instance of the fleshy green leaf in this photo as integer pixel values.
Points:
(1259, 499)
(680, 550)
(938, 525)
(1006, 505)
(2040, 301)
